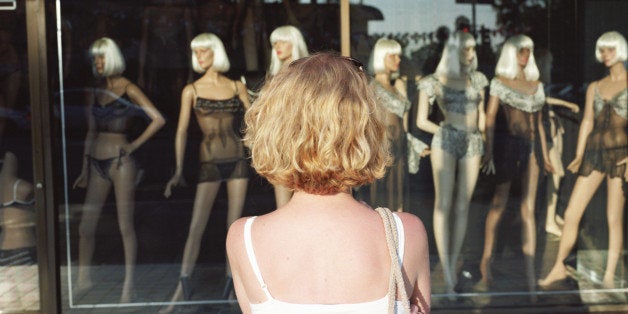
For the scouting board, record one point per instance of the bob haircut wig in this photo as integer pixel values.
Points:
(615, 40)
(289, 34)
(207, 40)
(507, 65)
(382, 48)
(297, 129)
(109, 50)
(449, 64)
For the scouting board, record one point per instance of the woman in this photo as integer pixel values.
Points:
(113, 107)
(457, 145)
(390, 191)
(288, 45)
(518, 93)
(214, 99)
(601, 155)
(297, 135)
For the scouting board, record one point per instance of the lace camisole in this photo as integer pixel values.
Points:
(521, 110)
(455, 100)
(274, 306)
(607, 144)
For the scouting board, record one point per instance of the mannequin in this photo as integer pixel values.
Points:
(457, 145)
(288, 45)
(17, 218)
(517, 91)
(390, 191)
(601, 155)
(213, 99)
(107, 159)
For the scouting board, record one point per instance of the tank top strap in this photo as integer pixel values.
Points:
(248, 243)
(401, 237)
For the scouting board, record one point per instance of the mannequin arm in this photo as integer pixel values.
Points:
(187, 99)
(585, 129)
(157, 120)
(243, 94)
(422, 122)
(81, 181)
(489, 129)
(546, 160)
(563, 103)
(481, 115)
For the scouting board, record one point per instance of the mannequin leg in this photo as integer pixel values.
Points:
(97, 190)
(444, 173)
(203, 203)
(498, 205)
(236, 192)
(124, 189)
(468, 171)
(615, 216)
(583, 191)
(282, 195)
(528, 229)
(551, 226)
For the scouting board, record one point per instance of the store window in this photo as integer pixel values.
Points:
(153, 173)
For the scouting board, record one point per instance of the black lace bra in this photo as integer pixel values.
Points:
(206, 106)
(115, 116)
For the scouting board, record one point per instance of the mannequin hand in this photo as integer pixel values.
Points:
(575, 108)
(127, 149)
(425, 152)
(488, 168)
(175, 181)
(625, 163)
(548, 166)
(81, 181)
(574, 166)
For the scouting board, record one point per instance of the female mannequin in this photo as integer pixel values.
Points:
(601, 153)
(107, 159)
(288, 45)
(457, 145)
(17, 218)
(389, 191)
(213, 99)
(517, 91)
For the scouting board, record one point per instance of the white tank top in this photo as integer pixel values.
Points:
(273, 306)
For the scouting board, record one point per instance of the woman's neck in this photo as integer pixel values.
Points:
(383, 78)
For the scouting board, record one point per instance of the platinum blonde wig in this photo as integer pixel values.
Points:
(612, 39)
(507, 65)
(450, 63)
(382, 48)
(114, 61)
(289, 34)
(207, 40)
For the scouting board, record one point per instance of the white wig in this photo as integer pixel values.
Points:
(109, 50)
(207, 40)
(382, 48)
(507, 65)
(449, 64)
(289, 34)
(615, 40)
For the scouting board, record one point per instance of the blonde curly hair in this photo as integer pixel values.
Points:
(317, 128)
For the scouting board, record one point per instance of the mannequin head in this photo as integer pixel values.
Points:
(218, 60)
(283, 38)
(385, 56)
(458, 56)
(297, 128)
(517, 53)
(107, 59)
(605, 45)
